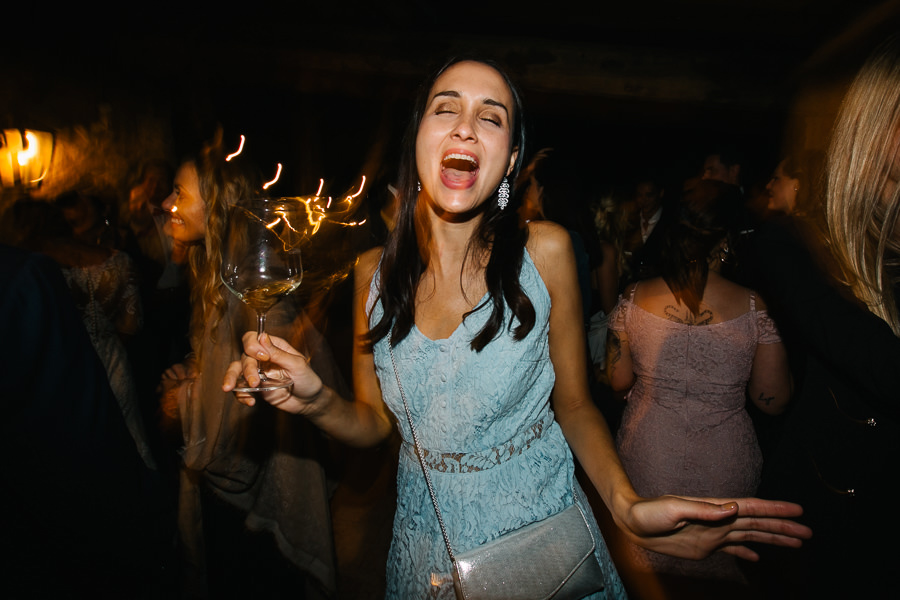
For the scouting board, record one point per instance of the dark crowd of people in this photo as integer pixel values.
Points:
(703, 364)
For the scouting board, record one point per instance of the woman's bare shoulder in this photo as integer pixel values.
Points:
(731, 294)
(550, 247)
(547, 241)
(760, 302)
(366, 265)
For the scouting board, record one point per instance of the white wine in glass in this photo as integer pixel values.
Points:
(261, 263)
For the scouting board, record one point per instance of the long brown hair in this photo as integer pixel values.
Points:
(222, 184)
(498, 235)
(709, 215)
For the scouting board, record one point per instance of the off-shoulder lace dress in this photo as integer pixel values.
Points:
(498, 458)
(685, 429)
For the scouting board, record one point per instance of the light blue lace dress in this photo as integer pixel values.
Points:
(498, 458)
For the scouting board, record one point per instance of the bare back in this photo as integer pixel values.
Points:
(722, 301)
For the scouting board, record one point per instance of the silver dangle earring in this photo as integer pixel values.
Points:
(418, 186)
(503, 194)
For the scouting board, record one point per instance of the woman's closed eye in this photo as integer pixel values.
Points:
(493, 119)
(445, 108)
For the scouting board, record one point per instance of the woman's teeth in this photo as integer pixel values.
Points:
(459, 162)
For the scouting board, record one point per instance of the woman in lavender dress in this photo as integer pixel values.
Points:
(690, 346)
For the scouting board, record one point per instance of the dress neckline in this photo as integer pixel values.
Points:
(479, 306)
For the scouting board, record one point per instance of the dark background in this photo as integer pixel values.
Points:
(325, 88)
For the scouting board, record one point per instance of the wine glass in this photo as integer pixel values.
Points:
(261, 262)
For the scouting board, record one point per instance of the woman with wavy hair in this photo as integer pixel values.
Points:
(240, 464)
(475, 324)
(840, 446)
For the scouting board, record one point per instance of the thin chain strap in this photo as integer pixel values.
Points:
(421, 457)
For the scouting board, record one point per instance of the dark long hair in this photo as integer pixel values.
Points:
(498, 233)
(709, 214)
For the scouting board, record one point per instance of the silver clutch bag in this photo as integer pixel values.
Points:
(552, 558)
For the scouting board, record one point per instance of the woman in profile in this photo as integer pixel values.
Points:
(788, 187)
(253, 501)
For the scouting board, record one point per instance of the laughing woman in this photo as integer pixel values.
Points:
(475, 325)
(238, 464)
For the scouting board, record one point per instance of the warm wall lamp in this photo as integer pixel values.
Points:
(24, 159)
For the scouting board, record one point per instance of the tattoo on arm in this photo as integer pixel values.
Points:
(763, 399)
(613, 349)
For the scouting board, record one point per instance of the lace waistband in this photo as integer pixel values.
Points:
(470, 462)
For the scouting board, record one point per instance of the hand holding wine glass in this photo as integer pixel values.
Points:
(261, 263)
(308, 390)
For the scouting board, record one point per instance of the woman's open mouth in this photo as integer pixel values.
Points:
(459, 170)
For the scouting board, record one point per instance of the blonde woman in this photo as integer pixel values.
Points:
(239, 464)
(863, 198)
(840, 448)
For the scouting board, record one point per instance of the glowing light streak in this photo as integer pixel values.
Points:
(287, 221)
(362, 184)
(30, 152)
(317, 212)
(277, 175)
(314, 214)
(237, 152)
(24, 157)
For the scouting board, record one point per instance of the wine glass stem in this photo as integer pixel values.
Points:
(260, 328)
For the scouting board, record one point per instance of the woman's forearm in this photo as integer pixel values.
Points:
(351, 422)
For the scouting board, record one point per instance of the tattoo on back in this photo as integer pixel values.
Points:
(686, 317)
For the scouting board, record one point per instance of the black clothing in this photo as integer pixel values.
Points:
(839, 449)
(75, 497)
(645, 255)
